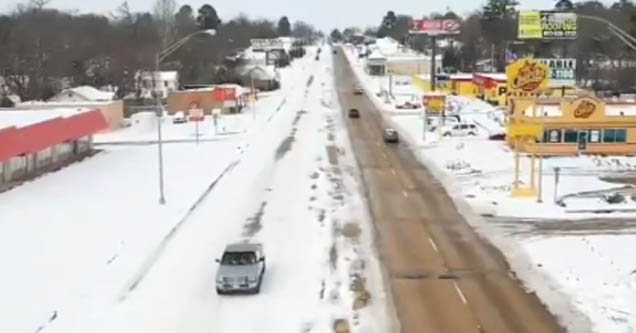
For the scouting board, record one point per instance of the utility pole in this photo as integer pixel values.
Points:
(492, 58)
(433, 56)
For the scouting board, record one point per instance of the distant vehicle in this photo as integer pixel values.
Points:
(179, 118)
(241, 270)
(357, 90)
(391, 135)
(497, 137)
(354, 113)
(407, 105)
(460, 130)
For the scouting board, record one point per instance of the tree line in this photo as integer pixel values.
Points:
(604, 62)
(45, 50)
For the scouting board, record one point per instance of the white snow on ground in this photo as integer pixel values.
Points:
(88, 248)
(584, 273)
(286, 194)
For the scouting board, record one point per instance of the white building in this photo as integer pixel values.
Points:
(163, 81)
(83, 94)
(387, 56)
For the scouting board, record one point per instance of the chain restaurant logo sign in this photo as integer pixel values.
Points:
(585, 108)
(527, 75)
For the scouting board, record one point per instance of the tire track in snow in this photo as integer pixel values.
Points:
(156, 254)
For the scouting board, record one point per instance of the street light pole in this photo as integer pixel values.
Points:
(158, 58)
(162, 197)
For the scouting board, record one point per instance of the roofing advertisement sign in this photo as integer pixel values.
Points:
(547, 25)
(527, 76)
(434, 27)
(562, 71)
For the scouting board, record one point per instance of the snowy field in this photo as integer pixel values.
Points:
(88, 248)
(592, 282)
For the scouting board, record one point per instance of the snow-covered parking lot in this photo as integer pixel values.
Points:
(576, 259)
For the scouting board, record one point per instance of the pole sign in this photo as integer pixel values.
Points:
(547, 25)
(527, 76)
(196, 114)
(434, 102)
(434, 27)
(562, 71)
(266, 43)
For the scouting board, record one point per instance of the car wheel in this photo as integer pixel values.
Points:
(220, 292)
(447, 134)
(471, 133)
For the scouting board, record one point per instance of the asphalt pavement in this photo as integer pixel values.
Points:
(442, 275)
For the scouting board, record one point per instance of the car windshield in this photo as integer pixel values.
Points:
(238, 258)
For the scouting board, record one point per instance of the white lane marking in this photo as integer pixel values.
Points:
(393, 171)
(430, 240)
(384, 154)
(406, 195)
(460, 293)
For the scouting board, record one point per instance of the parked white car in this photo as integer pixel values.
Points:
(179, 118)
(460, 130)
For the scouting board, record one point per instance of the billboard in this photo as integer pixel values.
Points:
(434, 27)
(562, 71)
(547, 25)
(266, 43)
(527, 76)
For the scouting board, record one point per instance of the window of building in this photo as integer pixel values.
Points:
(594, 136)
(608, 135)
(165, 84)
(620, 135)
(552, 136)
(571, 136)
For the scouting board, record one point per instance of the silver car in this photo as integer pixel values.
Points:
(390, 135)
(241, 270)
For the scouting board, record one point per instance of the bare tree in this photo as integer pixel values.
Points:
(38, 4)
(164, 11)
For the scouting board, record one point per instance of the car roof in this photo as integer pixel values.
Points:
(244, 247)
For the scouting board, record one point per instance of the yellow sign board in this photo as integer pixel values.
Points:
(524, 130)
(530, 25)
(435, 103)
(527, 76)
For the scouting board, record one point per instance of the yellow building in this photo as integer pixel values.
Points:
(462, 85)
(583, 124)
(491, 87)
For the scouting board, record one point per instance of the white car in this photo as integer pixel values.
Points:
(460, 130)
(179, 118)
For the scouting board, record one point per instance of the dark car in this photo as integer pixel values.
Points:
(391, 135)
(497, 137)
(354, 113)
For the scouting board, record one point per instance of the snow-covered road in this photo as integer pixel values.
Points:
(295, 191)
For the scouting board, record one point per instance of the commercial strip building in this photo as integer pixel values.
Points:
(387, 56)
(228, 98)
(112, 111)
(577, 125)
(35, 142)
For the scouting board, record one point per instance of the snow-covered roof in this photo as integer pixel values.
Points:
(89, 93)
(461, 76)
(494, 76)
(52, 105)
(22, 118)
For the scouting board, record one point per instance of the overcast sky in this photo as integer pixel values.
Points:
(324, 14)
